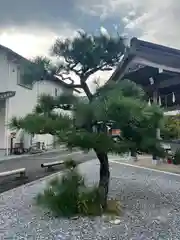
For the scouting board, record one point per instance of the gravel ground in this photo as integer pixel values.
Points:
(33, 168)
(151, 209)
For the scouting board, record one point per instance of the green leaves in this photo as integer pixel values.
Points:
(121, 103)
(80, 57)
(89, 140)
(125, 88)
(46, 103)
(124, 103)
(68, 196)
(42, 124)
(171, 127)
(89, 52)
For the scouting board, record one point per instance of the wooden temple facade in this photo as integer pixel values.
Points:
(156, 68)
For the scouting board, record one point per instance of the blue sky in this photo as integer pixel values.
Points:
(30, 27)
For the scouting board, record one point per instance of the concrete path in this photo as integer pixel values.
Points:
(150, 199)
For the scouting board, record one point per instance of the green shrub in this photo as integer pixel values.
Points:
(70, 164)
(176, 160)
(68, 196)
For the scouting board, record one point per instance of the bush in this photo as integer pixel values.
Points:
(70, 164)
(68, 196)
(176, 159)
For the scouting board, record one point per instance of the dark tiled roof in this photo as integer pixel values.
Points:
(156, 53)
(152, 52)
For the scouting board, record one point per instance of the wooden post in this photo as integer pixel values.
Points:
(155, 159)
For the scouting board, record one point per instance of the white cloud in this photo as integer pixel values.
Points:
(27, 45)
(158, 21)
(33, 41)
(126, 20)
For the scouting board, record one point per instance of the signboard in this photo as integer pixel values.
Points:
(115, 132)
(8, 94)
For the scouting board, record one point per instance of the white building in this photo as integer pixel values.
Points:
(18, 99)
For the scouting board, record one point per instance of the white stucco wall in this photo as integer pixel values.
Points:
(2, 121)
(3, 72)
(3, 87)
(25, 99)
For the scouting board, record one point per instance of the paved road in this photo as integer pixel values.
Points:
(150, 199)
(33, 167)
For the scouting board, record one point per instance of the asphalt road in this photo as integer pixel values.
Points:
(33, 167)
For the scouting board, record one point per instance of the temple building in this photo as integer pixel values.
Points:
(156, 68)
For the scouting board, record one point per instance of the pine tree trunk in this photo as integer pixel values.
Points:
(104, 177)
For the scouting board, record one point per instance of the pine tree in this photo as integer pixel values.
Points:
(121, 104)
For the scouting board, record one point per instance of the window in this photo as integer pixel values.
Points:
(21, 78)
(56, 92)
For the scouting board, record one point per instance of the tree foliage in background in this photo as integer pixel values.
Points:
(171, 129)
(121, 103)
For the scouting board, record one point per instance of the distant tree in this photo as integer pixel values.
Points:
(121, 103)
(171, 129)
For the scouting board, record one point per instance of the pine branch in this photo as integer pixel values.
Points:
(47, 103)
(103, 67)
(43, 124)
(69, 85)
(72, 67)
(63, 78)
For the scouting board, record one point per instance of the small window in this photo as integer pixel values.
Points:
(20, 78)
(56, 92)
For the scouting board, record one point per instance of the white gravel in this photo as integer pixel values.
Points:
(151, 209)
